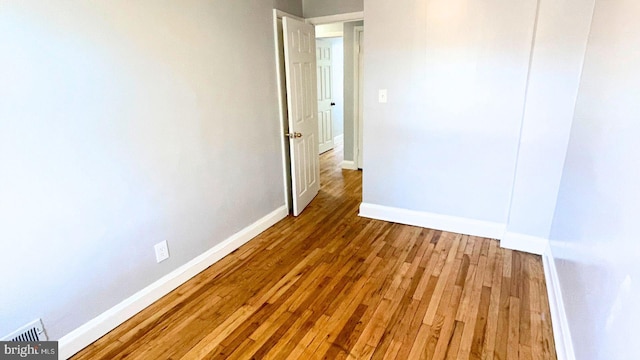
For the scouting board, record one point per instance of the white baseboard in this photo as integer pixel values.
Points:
(339, 139)
(433, 221)
(110, 319)
(561, 333)
(349, 165)
(531, 244)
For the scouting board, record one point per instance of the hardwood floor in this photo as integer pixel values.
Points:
(331, 285)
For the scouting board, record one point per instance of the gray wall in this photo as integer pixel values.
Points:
(337, 68)
(313, 8)
(595, 228)
(349, 96)
(293, 7)
(123, 124)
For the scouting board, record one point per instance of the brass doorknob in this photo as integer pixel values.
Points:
(294, 135)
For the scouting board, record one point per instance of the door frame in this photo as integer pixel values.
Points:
(346, 17)
(282, 110)
(278, 15)
(358, 121)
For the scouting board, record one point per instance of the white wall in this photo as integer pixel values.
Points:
(123, 124)
(314, 8)
(560, 41)
(595, 228)
(446, 141)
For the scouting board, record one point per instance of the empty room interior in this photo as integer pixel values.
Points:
(427, 179)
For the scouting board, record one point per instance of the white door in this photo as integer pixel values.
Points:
(300, 69)
(325, 97)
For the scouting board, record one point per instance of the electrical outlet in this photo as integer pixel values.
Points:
(162, 251)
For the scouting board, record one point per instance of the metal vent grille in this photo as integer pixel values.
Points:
(34, 331)
(29, 335)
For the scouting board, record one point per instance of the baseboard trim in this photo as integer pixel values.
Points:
(433, 221)
(561, 333)
(349, 165)
(110, 319)
(527, 243)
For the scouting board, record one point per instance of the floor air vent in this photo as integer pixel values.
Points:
(34, 331)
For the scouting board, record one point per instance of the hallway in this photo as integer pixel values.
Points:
(329, 284)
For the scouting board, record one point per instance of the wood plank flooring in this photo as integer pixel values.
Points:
(331, 285)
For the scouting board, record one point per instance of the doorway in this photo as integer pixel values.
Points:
(330, 65)
(353, 34)
(344, 121)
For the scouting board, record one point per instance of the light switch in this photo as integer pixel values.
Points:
(382, 96)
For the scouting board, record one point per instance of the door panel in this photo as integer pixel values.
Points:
(300, 62)
(325, 97)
